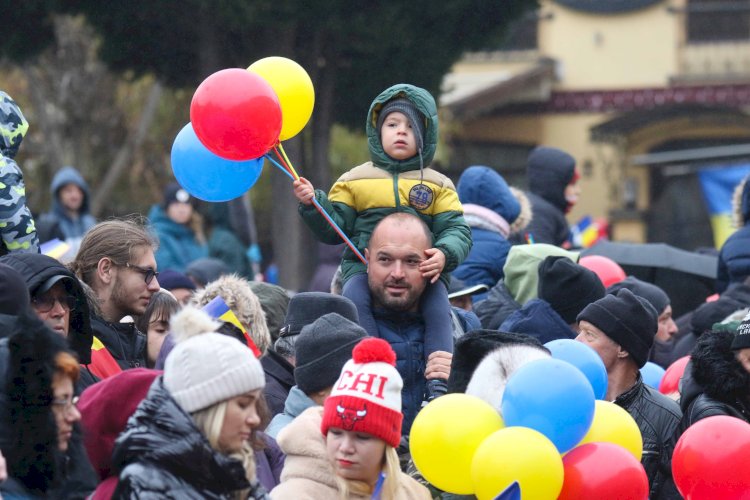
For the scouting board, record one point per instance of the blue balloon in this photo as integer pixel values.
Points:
(550, 396)
(585, 359)
(652, 374)
(208, 176)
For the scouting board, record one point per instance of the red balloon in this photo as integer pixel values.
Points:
(603, 470)
(236, 114)
(712, 459)
(608, 271)
(670, 382)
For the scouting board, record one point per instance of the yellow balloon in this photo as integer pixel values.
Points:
(294, 88)
(445, 435)
(613, 424)
(517, 454)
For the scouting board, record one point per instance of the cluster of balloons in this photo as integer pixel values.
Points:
(236, 117)
(556, 437)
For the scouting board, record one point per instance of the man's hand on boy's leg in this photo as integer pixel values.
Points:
(304, 191)
(433, 266)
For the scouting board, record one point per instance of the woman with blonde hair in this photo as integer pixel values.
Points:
(190, 437)
(347, 449)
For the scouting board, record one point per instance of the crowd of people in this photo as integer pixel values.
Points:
(117, 382)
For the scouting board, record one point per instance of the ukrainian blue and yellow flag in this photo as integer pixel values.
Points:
(718, 183)
(54, 248)
(218, 309)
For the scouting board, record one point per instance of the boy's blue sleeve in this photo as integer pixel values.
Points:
(16, 222)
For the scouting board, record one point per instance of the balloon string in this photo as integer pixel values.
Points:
(288, 163)
(274, 162)
(289, 171)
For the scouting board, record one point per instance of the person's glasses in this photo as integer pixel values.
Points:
(65, 405)
(148, 272)
(45, 303)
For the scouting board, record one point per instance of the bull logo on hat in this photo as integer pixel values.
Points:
(350, 416)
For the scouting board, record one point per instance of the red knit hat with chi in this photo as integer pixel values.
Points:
(367, 396)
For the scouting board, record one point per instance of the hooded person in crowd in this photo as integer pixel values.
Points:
(347, 449)
(621, 329)
(105, 409)
(39, 434)
(304, 309)
(178, 228)
(190, 437)
(520, 284)
(69, 215)
(564, 289)
(222, 241)
(321, 351)
(58, 299)
(553, 190)
(329, 257)
(664, 342)
(493, 211)
(734, 257)
(16, 222)
(717, 378)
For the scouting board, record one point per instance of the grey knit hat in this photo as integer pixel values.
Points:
(405, 106)
(322, 349)
(304, 308)
(209, 368)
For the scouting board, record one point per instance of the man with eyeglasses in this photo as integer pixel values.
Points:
(58, 299)
(116, 260)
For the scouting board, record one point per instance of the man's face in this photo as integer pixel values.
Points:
(130, 292)
(667, 326)
(71, 197)
(396, 249)
(606, 348)
(53, 308)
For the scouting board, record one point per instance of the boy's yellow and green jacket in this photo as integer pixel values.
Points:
(361, 197)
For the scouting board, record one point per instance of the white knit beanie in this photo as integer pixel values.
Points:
(209, 368)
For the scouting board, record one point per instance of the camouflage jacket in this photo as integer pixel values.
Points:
(16, 222)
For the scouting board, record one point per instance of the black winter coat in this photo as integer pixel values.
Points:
(162, 454)
(279, 380)
(548, 224)
(715, 383)
(496, 308)
(657, 417)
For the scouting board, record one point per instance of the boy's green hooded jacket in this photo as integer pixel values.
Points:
(361, 197)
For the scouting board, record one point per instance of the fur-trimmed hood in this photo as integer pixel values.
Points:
(716, 371)
(491, 376)
(28, 433)
(240, 298)
(472, 348)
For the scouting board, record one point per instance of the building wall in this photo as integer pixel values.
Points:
(636, 49)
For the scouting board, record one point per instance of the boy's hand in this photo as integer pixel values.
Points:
(304, 191)
(433, 266)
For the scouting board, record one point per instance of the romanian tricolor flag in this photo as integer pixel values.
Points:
(718, 183)
(102, 365)
(588, 231)
(54, 248)
(218, 309)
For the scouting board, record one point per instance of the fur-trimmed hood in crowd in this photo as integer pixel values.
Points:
(240, 298)
(715, 371)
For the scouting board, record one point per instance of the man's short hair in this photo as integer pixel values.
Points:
(117, 239)
(400, 218)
